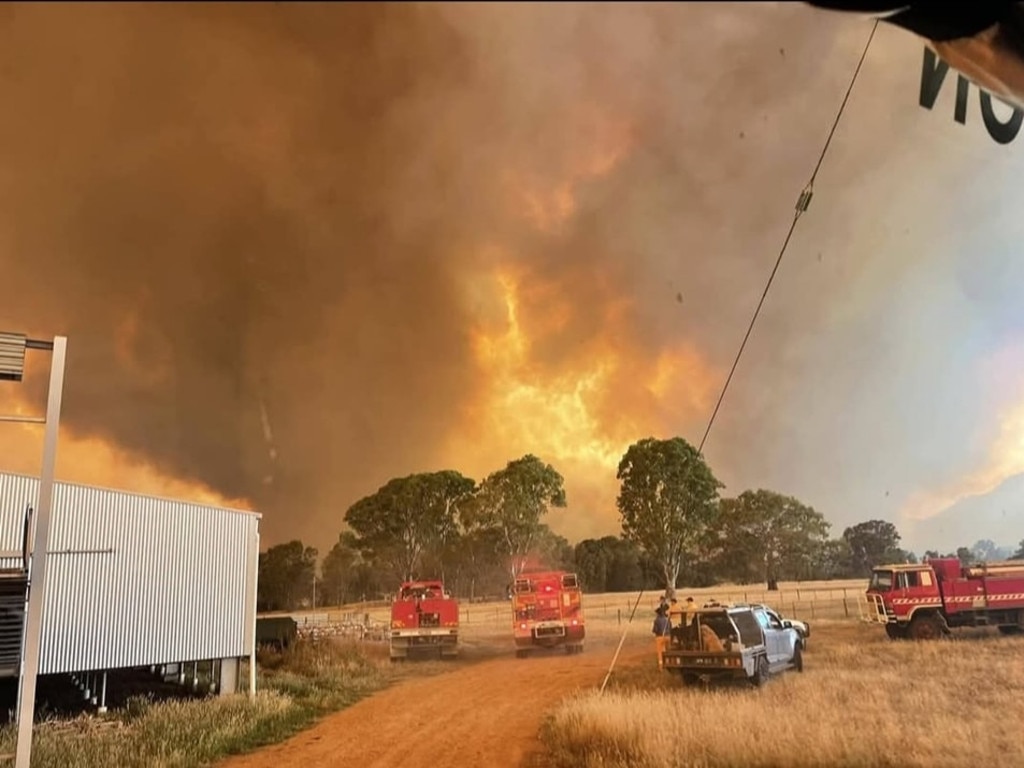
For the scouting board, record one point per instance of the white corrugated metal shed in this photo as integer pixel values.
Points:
(136, 580)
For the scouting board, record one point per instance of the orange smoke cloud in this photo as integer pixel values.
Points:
(1005, 460)
(603, 141)
(582, 413)
(566, 372)
(93, 461)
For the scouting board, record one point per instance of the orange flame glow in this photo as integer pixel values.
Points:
(583, 410)
(581, 415)
(1006, 459)
(93, 461)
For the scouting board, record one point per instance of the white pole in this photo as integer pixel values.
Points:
(255, 584)
(37, 572)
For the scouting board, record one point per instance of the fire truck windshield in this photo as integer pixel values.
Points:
(881, 581)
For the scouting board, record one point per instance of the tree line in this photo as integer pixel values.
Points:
(676, 529)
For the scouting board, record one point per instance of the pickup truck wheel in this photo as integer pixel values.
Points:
(689, 678)
(761, 671)
(798, 659)
(927, 627)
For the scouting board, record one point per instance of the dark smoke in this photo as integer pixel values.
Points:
(223, 205)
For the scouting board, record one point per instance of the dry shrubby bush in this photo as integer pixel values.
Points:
(862, 701)
(304, 682)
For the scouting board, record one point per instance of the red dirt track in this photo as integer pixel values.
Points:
(486, 713)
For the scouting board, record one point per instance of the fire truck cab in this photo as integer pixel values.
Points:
(547, 611)
(924, 601)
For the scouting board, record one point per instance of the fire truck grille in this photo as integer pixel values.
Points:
(550, 631)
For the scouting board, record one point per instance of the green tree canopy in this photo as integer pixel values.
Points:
(874, 542)
(513, 502)
(286, 573)
(667, 500)
(768, 536)
(339, 570)
(609, 564)
(407, 517)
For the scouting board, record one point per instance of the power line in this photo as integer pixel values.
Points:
(802, 204)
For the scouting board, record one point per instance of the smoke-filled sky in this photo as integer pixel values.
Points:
(301, 249)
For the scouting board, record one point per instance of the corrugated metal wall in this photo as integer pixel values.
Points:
(135, 580)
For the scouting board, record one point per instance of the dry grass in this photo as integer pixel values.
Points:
(295, 688)
(862, 701)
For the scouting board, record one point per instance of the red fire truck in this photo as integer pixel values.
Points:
(547, 611)
(924, 601)
(424, 619)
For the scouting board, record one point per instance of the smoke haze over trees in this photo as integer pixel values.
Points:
(759, 535)
(301, 249)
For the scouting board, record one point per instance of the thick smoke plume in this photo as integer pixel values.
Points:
(300, 249)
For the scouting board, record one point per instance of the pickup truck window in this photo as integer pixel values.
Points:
(750, 631)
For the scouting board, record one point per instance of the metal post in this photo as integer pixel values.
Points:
(37, 574)
(255, 584)
(103, 694)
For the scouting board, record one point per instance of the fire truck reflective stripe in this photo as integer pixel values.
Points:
(981, 596)
(957, 599)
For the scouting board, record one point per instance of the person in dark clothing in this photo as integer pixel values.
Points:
(982, 39)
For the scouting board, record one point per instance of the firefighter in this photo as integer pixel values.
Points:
(686, 613)
(661, 629)
(675, 613)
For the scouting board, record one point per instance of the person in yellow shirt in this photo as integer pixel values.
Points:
(675, 613)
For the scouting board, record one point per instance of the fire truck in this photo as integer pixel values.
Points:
(547, 611)
(925, 601)
(424, 621)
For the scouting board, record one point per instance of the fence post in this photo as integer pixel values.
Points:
(620, 616)
(846, 608)
(812, 609)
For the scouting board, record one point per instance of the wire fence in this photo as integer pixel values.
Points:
(807, 601)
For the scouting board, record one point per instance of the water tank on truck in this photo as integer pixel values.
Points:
(424, 621)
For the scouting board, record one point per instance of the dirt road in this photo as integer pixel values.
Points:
(486, 713)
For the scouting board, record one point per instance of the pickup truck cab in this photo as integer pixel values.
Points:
(720, 642)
